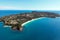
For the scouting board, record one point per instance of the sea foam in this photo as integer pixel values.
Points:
(6, 26)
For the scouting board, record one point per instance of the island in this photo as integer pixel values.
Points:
(16, 20)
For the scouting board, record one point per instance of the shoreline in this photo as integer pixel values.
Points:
(31, 21)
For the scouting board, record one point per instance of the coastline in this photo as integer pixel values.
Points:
(6, 26)
(30, 21)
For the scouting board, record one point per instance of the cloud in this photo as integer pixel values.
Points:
(25, 8)
(7, 8)
(13, 8)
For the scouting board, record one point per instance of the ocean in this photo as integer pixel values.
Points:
(40, 29)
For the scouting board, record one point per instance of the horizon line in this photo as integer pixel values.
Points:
(30, 9)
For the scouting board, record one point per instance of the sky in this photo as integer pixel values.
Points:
(29, 4)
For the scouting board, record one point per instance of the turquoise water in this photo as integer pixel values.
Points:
(41, 29)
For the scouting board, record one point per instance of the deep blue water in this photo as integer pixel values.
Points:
(42, 29)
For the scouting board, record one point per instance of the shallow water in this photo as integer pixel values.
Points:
(42, 29)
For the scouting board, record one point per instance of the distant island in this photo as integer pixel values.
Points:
(17, 19)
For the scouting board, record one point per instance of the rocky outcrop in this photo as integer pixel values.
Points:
(16, 20)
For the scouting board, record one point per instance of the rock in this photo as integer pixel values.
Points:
(16, 20)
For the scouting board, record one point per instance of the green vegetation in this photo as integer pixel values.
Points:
(16, 20)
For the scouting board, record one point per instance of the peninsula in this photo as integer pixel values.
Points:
(17, 20)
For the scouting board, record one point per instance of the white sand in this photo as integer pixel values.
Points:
(25, 22)
(30, 21)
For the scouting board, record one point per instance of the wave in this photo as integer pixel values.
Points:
(6, 26)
